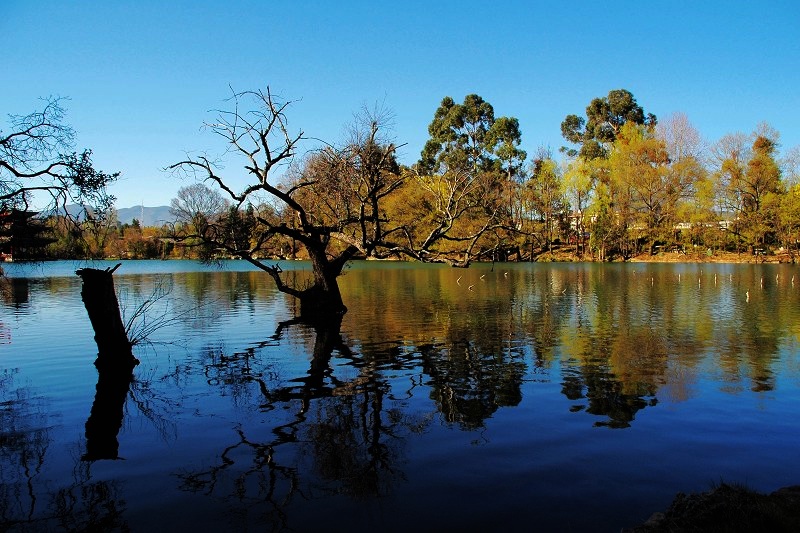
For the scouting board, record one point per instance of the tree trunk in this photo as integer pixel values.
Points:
(114, 348)
(322, 301)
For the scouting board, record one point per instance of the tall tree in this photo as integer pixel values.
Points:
(789, 220)
(605, 117)
(467, 169)
(747, 175)
(647, 184)
(545, 197)
(578, 186)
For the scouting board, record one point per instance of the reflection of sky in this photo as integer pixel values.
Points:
(68, 268)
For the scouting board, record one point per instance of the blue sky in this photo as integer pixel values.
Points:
(142, 76)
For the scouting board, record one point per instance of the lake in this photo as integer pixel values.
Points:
(535, 397)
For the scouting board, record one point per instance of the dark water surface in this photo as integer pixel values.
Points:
(566, 397)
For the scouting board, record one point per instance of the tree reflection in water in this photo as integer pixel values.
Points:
(470, 385)
(336, 435)
(331, 413)
(26, 501)
(24, 442)
(88, 505)
(341, 427)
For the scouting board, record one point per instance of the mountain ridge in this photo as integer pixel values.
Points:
(147, 216)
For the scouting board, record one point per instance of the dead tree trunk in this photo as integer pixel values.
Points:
(114, 348)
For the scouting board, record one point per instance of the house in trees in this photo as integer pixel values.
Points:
(23, 236)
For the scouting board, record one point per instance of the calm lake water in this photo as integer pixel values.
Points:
(535, 397)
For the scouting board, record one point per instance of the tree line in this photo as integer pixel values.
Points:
(625, 184)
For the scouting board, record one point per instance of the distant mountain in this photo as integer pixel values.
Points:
(147, 216)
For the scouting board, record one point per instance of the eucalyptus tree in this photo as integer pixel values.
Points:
(604, 119)
(315, 206)
(469, 168)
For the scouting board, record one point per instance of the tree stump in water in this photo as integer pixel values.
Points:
(114, 348)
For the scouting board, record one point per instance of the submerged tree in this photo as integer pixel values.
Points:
(325, 206)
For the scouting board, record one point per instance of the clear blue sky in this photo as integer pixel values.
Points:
(142, 75)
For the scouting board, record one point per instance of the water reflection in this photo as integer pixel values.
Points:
(15, 291)
(24, 442)
(274, 422)
(617, 334)
(329, 434)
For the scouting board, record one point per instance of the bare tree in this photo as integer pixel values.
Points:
(36, 158)
(195, 204)
(322, 206)
(682, 139)
(791, 166)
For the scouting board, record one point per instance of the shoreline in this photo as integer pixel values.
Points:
(558, 256)
(727, 507)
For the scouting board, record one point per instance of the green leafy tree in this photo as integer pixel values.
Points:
(467, 169)
(604, 119)
(605, 230)
(578, 186)
(546, 202)
(646, 183)
(789, 220)
(748, 175)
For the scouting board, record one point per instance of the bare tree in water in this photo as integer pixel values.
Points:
(330, 203)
